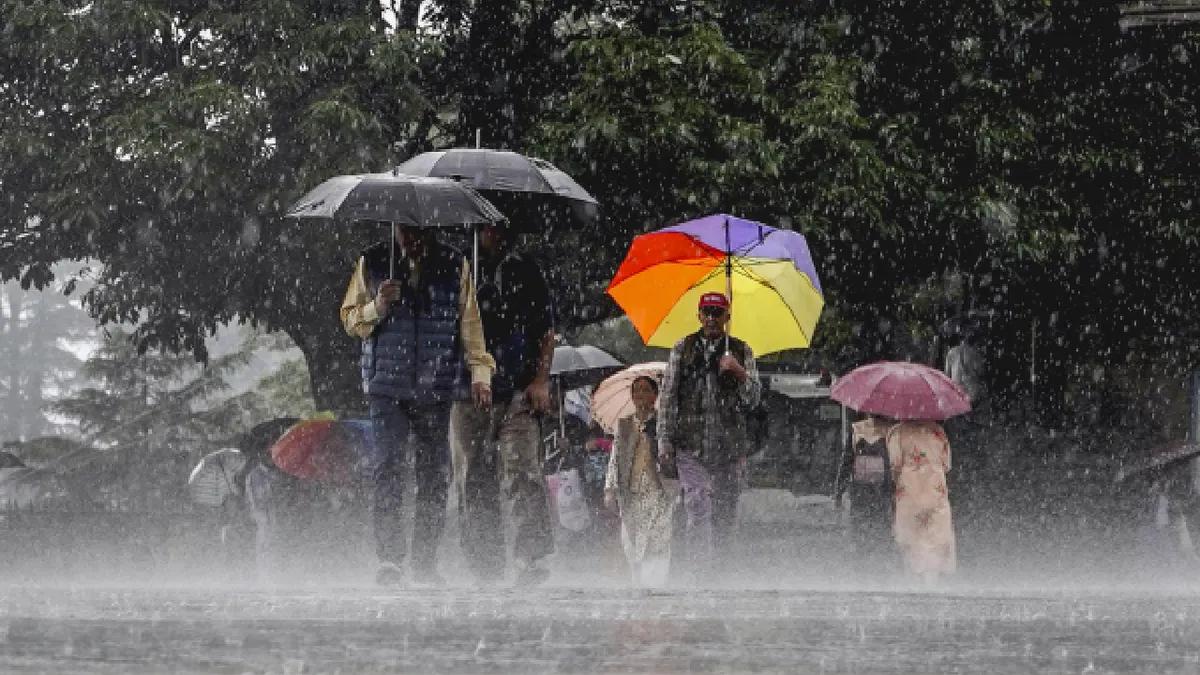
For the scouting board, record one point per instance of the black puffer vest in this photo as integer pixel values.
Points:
(515, 306)
(414, 353)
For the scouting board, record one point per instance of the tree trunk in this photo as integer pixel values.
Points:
(408, 13)
(332, 358)
(487, 88)
(17, 370)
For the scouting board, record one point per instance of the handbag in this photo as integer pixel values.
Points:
(566, 488)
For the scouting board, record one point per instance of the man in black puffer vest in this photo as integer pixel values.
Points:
(417, 329)
(710, 384)
(497, 453)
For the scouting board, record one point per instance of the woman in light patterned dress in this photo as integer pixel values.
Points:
(633, 485)
(920, 457)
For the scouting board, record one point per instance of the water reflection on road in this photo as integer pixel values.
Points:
(564, 630)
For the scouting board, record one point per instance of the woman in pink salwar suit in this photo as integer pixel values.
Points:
(920, 457)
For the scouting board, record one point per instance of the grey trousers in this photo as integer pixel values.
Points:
(710, 497)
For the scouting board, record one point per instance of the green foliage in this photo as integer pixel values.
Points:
(663, 126)
(286, 392)
(167, 399)
(1023, 161)
(40, 334)
(148, 417)
(165, 141)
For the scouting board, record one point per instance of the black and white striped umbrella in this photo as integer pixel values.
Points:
(214, 477)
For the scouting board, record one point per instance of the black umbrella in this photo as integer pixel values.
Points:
(577, 366)
(397, 199)
(506, 176)
(500, 170)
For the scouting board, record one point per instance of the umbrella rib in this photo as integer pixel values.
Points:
(753, 244)
(711, 273)
(933, 391)
(740, 250)
(744, 268)
(736, 253)
(224, 474)
(720, 270)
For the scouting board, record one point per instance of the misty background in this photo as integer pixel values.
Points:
(1024, 166)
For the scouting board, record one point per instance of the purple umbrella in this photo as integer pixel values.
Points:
(751, 239)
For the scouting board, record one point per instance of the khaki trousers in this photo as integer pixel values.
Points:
(497, 460)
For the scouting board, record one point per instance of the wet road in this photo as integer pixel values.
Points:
(603, 630)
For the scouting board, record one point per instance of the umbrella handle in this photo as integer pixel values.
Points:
(562, 398)
(728, 282)
(392, 254)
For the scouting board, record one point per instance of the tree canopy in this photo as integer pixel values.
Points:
(1027, 163)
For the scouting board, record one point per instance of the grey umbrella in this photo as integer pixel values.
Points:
(582, 362)
(398, 199)
(500, 170)
(214, 476)
(574, 367)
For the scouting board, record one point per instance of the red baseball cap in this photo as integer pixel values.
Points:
(714, 300)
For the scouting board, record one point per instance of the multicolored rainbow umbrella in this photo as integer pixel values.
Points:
(768, 273)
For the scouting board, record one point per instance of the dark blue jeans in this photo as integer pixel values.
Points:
(422, 428)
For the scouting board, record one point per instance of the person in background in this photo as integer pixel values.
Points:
(257, 483)
(417, 329)
(710, 382)
(919, 455)
(867, 477)
(966, 366)
(634, 487)
(498, 452)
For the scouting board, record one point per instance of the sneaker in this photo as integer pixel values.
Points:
(531, 576)
(389, 574)
(427, 577)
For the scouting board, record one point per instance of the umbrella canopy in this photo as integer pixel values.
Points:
(613, 398)
(767, 272)
(577, 403)
(500, 170)
(396, 198)
(317, 449)
(576, 366)
(255, 443)
(1160, 458)
(213, 479)
(902, 391)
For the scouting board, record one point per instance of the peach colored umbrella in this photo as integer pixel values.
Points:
(613, 398)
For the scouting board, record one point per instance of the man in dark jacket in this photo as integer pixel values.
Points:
(709, 385)
(497, 452)
(418, 330)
